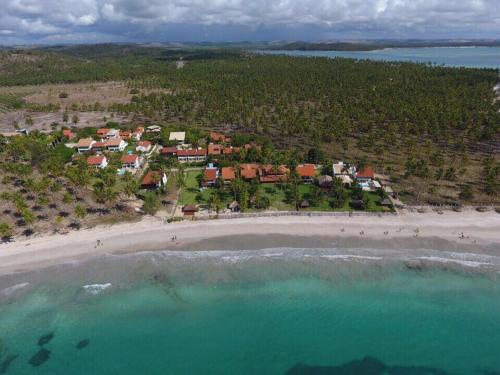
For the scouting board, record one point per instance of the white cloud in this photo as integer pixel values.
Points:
(50, 17)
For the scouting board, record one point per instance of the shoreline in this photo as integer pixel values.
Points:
(481, 234)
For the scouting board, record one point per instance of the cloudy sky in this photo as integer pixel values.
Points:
(90, 21)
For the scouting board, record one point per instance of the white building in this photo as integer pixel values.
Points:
(116, 144)
(84, 145)
(178, 137)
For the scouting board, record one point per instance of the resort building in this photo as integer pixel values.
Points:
(153, 180)
(99, 147)
(343, 169)
(178, 137)
(219, 137)
(84, 145)
(214, 149)
(116, 144)
(365, 175)
(98, 162)
(248, 171)
(191, 156)
(169, 151)
(228, 174)
(143, 146)
(131, 161)
(105, 133)
(210, 176)
(307, 172)
(272, 174)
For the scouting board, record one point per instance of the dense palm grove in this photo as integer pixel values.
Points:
(434, 130)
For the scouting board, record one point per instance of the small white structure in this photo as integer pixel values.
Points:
(343, 169)
(84, 145)
(178, 137)
(153, 129)
(116, 144)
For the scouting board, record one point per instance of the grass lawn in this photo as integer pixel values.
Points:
(276, 194)
(192, 189)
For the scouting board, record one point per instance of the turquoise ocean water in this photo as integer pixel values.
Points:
(471, 57)
(316, 312)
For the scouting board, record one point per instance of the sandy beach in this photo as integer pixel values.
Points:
(467, 231)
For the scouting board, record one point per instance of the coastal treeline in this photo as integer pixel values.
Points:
(433, 130)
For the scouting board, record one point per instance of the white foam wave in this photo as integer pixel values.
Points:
(12, 289)
(95, 289)
(468, 263)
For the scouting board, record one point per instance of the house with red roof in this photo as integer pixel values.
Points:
(192, 155)
(98, 146)
(67, 133)
(365, 174)
(214, 149)
(307, 172)
(125, 134)
(84, 145)
(272, 174)
(153, 180)
(131, 161)
(169, 151)
(228, 174)
(98, 162)
(210, 176)
(219, 137)
(116, 144)
(248, 171)
(144, 146)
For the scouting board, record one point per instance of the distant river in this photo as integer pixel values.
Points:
(471, 57)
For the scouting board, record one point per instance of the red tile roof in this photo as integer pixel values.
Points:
(210, 174)
(306, 170)
(145, 144)
(219, 137)
(152, 178)
(214, 149)
(99, 145)
(269, 173)
(172, 150)
(68, 133)
(366, 172)
(95, 160)
(85, 142)
(115, 142)
(129, 159)
(228, 173)
(102, 131)
(201, 152)
(125, 134)
(248, 171)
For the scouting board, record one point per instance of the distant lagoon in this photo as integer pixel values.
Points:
(470, 57)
